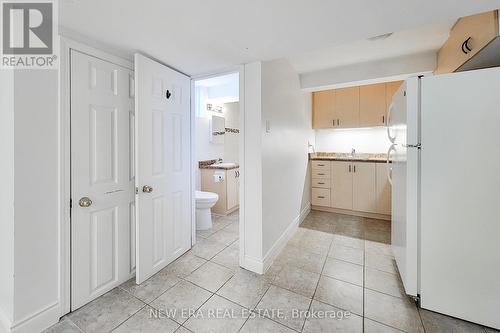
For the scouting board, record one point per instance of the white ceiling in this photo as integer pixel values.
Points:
(203, 36)
(429, 38)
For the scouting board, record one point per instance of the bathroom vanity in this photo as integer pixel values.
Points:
(223, 179)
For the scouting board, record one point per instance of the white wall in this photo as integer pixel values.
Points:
(205, 150)
(284, 149)
(30, 221)
(231, 140)
(276, 183)
(6, 198)
(364, 140)
(251, 169)
(36, 265)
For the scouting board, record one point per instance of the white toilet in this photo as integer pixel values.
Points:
(204, 202)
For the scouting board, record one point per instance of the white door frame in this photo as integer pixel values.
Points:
(241, 71)
(65, 159)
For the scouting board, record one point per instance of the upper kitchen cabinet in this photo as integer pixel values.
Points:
(390, 90)
(361, 106)
(372, 105)
(324, 109)
(473, 43)
(347, 107)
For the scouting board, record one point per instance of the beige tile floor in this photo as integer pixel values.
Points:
(334, 264)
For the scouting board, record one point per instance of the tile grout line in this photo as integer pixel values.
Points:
(121, 323)
(364, 284)
(317, 284)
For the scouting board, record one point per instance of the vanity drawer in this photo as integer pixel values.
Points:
(321, 165)
(320, 197)
(320, 173)
(321, 183)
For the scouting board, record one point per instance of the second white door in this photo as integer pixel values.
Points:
(164, 199)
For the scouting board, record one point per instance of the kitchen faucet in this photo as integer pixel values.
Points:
(353, 152)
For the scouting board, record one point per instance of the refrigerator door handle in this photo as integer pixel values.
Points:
(389, 112)
(389, 166)
(418, 146)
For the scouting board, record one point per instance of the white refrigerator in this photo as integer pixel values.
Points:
(445, 175)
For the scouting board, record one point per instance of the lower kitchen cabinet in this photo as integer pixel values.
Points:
(383, 190)
(341, 185)
(351, 187)
(364, 187)
(321, 197)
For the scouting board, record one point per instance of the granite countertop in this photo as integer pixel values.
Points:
(358, 157)
(214, 164)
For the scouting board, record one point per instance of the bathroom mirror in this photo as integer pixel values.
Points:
(217, 129)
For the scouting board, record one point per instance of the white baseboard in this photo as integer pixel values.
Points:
(252, 264)
(305, 211)
(275, 250)
(4, 323)
(38, 321)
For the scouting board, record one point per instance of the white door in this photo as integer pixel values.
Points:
(460, 188)
(164, 198)
(102, 177)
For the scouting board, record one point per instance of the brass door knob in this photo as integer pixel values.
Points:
(85, 202)
(147, 189)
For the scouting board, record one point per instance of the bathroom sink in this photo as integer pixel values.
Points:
(224, 165)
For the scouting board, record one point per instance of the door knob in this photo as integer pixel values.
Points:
(147, 189)
(85, 202)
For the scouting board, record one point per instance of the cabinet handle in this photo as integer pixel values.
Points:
(321, 165)
(333, 122)
(465, 46)
(354, 168)
(321, 183)
(321, 174)
(338, 122)
(383, 119)
(320, 197)
(349, 168)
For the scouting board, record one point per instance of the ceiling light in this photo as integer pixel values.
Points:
(380, 37)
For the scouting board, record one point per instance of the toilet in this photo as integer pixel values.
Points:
(204, 202)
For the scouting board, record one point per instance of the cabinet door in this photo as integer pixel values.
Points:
(383, 190)
(347, 107)
(208, 184)
(324, 109)
(232, 188)
(372, 106)
(364, 187)
(341, 194)
(479, 30)
(390, 90)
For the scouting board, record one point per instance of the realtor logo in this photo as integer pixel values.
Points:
(29, 34)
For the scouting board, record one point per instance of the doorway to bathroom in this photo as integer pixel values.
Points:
(217, 168)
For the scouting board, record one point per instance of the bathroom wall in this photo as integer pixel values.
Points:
(205, 150)
(231, 140)
(364, 140)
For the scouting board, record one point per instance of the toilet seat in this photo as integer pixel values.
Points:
(201, 196)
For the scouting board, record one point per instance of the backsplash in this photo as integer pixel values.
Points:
(364, 140)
